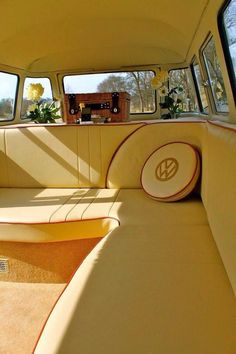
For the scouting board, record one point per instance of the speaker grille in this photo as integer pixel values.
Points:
(4, 265)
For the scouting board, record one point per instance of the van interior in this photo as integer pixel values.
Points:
(118, 177)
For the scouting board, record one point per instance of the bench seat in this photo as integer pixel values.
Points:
(157, 274)
(55, 214)
(156, 281)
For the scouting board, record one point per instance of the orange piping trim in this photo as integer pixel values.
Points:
(54, 305)
(61, 222)
(118, 148)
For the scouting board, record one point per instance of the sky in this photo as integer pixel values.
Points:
(84, 83)
(73, 84)
(8, 85)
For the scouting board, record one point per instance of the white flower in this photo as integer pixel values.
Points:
(32, 107)
(175, 96)
(163, 91)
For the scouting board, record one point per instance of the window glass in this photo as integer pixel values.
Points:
(136, 83)
(8, 88)
(228, 20)
(215, 78)
(200, 88)
(46, 96)
(183, 78)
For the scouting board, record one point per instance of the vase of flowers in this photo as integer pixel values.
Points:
(40, 111)
(170, 99)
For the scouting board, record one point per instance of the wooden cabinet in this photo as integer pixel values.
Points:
(115, 106)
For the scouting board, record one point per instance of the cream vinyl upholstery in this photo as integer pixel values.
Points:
(156, 281)
(59, 156)
(126, 168)
(52, 214)
(221, 192)
(156, 284)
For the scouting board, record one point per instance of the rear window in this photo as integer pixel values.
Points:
(136, 83)
(8, 90)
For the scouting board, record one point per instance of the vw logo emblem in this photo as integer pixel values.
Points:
(167, 169)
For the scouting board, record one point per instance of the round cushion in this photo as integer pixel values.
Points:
(171, 172)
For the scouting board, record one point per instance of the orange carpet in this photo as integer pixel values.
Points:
(24, 308)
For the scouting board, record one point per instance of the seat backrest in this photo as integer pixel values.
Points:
(59, 156)
(220, 203)
(127, 164)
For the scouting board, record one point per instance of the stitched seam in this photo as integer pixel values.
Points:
(90, 203)
(65, 202)
(82, 197)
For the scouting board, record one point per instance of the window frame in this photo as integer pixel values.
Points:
(209, 90)
(16, 96)
(117, 72)
(193, 61)
(33, 77)
(225, 46)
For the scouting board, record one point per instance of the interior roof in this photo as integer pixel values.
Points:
(65, 35)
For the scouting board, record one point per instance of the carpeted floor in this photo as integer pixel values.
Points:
(24, 307)
(52, 262)
(37, 275)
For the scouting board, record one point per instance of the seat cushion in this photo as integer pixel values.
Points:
(52, 214)
(171, 172)
(156, 284)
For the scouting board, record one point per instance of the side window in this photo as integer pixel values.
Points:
(202, 98)
(227, 28)
(27, 99)
(215, 78)
(136, 83)
(183, 78)
(8, 90)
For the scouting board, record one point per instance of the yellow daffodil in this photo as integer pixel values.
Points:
(163, 76)
(159, 79)
(156, 83)
(35, 92)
